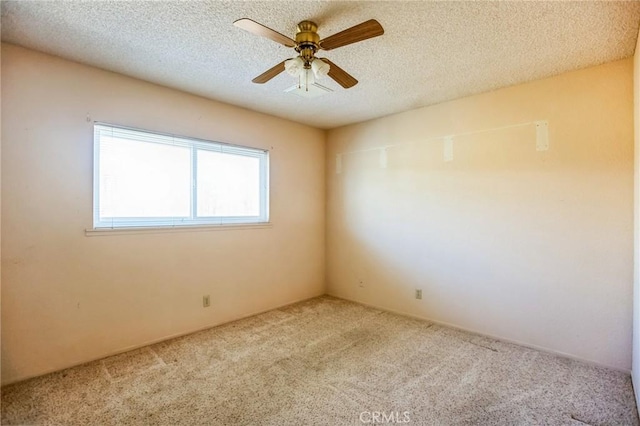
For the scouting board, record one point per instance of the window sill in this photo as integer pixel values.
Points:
(93, 232)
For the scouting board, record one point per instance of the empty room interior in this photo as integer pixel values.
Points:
(320, 212)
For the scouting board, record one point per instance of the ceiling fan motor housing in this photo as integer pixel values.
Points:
(307, 41)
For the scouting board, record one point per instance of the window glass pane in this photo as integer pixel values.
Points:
(152, 179)
(228, 184)
(143, 179)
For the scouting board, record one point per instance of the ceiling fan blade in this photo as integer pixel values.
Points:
(269, 74)
(341, 77)
(366, 30)
(260, 30)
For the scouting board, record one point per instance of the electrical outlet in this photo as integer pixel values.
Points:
(361, 284)
(206, 301)
(418, 294)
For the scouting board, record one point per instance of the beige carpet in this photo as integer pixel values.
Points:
(326, 362)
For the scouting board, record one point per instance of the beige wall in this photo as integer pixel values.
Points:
(68, 298)
(0, 214)
(533, 247)
(636, 215)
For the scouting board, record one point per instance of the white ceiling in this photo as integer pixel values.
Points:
(431, 51)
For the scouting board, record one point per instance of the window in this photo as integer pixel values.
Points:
(150, 179)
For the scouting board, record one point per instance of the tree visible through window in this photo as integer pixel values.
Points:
(149, 179)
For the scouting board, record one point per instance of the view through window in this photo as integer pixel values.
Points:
(150, 179)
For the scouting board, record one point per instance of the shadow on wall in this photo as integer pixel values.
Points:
(495, 232)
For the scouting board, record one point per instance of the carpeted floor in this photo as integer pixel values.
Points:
(326, 362)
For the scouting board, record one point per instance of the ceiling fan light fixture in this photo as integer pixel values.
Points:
(294, 67)
(307, 43)
(320, 68)
(306, 79)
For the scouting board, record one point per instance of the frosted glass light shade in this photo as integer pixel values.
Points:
(294, 66)
(320, 68)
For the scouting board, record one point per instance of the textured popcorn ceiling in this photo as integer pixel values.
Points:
(431, 51)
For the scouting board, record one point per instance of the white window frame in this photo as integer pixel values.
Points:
(195, 145)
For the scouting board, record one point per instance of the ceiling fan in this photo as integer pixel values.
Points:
(307, 43)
